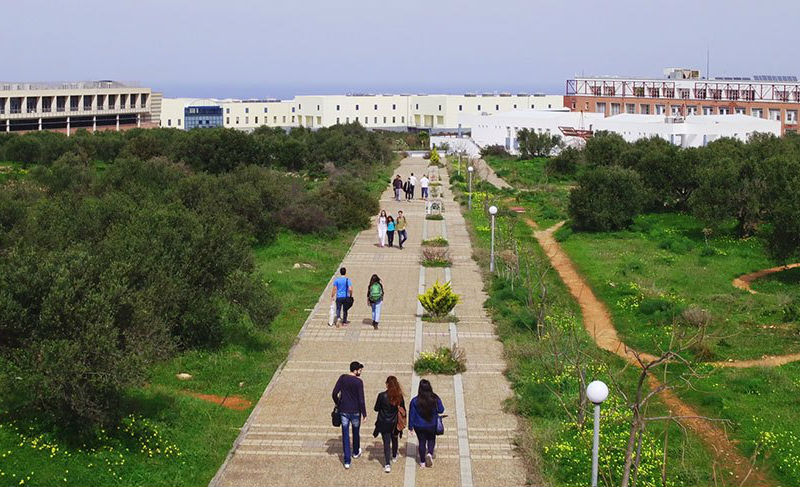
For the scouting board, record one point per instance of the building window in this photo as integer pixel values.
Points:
(376, 120)
(497, 107)
(274, 119)
(376, 107)
(228, 120)
(630, 108)
(549, 105)
(384, 119)
(292, 109)
(691, 110)
(284, 119)
(615, 109)
(356, 119)
(683, 93)
(394, 107)
(708, 110)
(756, 112)
(299, 106)
(179, 122)
(417, 107)
(317, 107)
(347, 120)
(246, 110)
(644, 109)
(533, 106)
(393, 119)
(227, 110)
(256, 120)
(440, 108)
(169, 122)
(460, 108)
(356, 107)
(292, 118)
(402, 119)
(740, 111)
(246, 120)
(265, 109)
(723, 111)
(337, 120)
(791, 116)
(660, 109)
(337, 108)
(479, 108)
(676, 110)
(600, 108)
(775, 114)
(515, 106)
(237, 120)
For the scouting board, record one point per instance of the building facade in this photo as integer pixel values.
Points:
(67, 107)
(388, 112)
(682, 92)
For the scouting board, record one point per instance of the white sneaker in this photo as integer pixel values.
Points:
(346, 466)
(429, 460)
(394, 459)
(356, 455)
(387, 469)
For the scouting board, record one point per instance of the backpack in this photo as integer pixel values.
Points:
(375, 292)
(401, 419)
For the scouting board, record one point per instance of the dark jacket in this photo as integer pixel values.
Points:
(348, 394)
(397, 183)
(387, 414)
(415, 419)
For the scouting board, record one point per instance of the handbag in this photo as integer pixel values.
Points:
(401, 419)
(336, 417)
(440, 424)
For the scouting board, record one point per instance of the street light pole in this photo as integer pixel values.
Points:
(596, 392)
(493, 212)
(470, 169)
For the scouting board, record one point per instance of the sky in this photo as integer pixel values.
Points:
(267, 48)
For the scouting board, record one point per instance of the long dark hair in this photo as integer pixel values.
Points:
(389, 219)
(394, 391)
(373, 280)
(426, 400)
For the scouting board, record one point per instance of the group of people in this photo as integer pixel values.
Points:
(423, 417)
(342, 299)
(388, 225)
(408, 186)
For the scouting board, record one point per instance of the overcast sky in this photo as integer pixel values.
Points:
(237, 48)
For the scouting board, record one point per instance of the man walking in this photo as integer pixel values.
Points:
(397, 184)
(348, 395)
(412, 181)
(342, 292)
(400, 226)
(423, 184)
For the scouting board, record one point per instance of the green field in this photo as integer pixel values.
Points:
(171, 438)
(665, 264)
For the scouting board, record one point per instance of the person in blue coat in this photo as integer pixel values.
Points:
(423, 414)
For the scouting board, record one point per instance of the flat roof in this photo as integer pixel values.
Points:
(65, 85)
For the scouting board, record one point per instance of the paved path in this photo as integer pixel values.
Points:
(485, 171)
(288, 439)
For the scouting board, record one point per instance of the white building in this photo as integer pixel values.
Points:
(393, 112)
(691, 131)
(502, 128)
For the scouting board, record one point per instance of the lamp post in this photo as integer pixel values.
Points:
(470, 169)
(597, 392)
(493, 212)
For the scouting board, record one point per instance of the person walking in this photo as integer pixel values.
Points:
(397, 184)
(348, 395)
(391, 408)
(412, 182)
(375, 298)
(423, 416)
(390, 226)
(382, 228)
(424, 182)
(400, 226)
(342, 292)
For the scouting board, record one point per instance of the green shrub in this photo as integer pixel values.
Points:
(650, 306)
(607, 198)
(443, 360)
(435, 257)
(435, 242)
(436, 217)
(439, 299)
(494, 150)
(676, 244)
(566, 162)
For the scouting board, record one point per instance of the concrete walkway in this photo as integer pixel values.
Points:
(288, 439)
(485, 171)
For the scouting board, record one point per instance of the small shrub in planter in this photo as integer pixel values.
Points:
(439, 299)
(443, 360)
(434, 217)
(436, 242)
(436, 257)
(441, 319)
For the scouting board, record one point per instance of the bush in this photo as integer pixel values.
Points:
(435, 257)
(494, 150)
(348, 204)
(607, 198)
(566, 162)
(435, 216)
(443, 360)
(697, 317)
(435, 159)
(439, 299)
(435, 242)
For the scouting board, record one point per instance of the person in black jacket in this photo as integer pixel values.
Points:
(390, 407)
(348, 395)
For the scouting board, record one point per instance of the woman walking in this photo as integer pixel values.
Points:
(423, 416)
(382, 228)
(375, 298)
(391, 408)
(390, 229)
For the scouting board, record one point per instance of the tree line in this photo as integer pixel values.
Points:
(106, 269)
(752, 186)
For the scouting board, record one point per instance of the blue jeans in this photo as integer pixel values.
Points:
(348, 419)
(376, 311)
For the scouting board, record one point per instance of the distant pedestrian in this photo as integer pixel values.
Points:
(391, 408)
(348, 395)
(375, 299)
(397, 184)
(390, 226)
(424, 182)
(405, 189)
(382, 228)
(412, 182)
(342, 292)
(423, 416)
(400, 226)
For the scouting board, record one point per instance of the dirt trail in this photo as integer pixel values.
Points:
(231, 402)
(743, 282)
(597, 321)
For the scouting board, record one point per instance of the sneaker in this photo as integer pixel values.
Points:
(387, 469)
(394, 459)
(421, 465)
(429, 460)
(375, 324)
(357, 454)
(345, 323)
(346, 466)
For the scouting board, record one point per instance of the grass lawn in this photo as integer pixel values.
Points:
(173, 438)
(556, 449)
